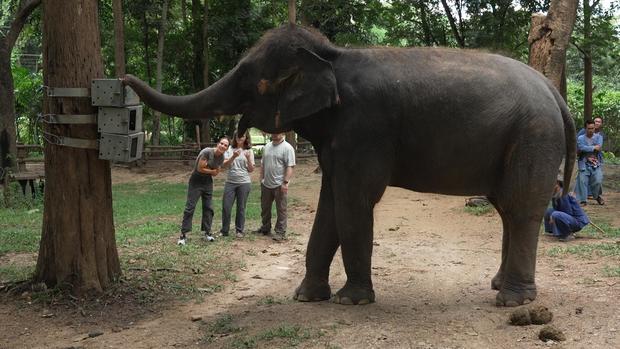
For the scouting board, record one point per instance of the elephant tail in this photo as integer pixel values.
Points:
(570, 136)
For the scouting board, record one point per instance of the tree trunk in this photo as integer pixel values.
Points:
(458, 36)
(78, 247)
(548, 38)
(158, 71)
(291, 12)
(8, 131)
(205, 132)
(587, 60)
(119, 38)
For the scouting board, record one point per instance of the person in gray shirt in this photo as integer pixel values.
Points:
(207, 165)
(275, 173)
(238, 183)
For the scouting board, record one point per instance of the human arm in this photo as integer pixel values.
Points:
(203, 167)
(249, 156)
(583, 146)
(232, 156)
(288, 173)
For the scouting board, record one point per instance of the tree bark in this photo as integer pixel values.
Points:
(548, 39)
(8, 131)
(78, 246)
(158, 70)
(291, 12)
(587, 60)
(428, 39)
(205, 132)
(119, 38)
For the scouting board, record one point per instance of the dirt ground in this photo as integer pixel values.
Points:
(432, 268)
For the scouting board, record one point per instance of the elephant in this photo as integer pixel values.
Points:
(437, 120)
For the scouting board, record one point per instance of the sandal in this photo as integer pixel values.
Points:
(600, 200)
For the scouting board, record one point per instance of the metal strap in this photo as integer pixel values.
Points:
(70, 118)
(68, 92)
(79, 143)
(70, 142)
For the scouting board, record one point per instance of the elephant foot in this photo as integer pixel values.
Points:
(312, 291)
(496, 282)
(350, 295)
(515, 296)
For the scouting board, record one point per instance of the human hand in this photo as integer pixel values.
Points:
(284, 188)
(216, 171)
(597, 147)
(236, 152)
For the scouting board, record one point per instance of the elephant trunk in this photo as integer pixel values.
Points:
(204, 104)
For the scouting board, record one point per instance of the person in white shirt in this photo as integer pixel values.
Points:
(275, 173)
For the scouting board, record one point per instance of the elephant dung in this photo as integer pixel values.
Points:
(520, 317)
(540, 315)
(550, 333)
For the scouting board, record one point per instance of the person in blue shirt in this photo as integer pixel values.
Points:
(566, 216)
(598, 129)
(590, 174)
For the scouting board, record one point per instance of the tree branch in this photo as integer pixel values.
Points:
(578, 48)
(25, 9)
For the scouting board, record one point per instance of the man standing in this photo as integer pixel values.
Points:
(208, 165)
(590, 176)
(275, 174)
(598, 130)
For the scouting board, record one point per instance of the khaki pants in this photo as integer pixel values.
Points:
(267, 197)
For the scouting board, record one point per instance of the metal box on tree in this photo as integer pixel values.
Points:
(124, 120)
(112, 93)
(123, 148)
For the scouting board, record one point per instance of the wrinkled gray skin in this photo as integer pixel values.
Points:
(425, 119)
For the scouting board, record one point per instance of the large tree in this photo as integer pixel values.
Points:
(549, 37)
(78, 247)
(8, 148)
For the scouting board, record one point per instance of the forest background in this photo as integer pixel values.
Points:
(197, 41)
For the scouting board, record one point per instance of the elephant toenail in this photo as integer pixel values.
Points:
(302, 298)
(346, 301)
(364, 301)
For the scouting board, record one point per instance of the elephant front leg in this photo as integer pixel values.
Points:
(322, 246)
(355, 230)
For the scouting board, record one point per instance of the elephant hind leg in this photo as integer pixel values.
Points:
(521, 199)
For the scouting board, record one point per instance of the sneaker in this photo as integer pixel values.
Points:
(583, 203)
(209, 237)
(600, 200)
(182, 241)
(240, 235)
(567, 238)
(261, 231)
(278, 237)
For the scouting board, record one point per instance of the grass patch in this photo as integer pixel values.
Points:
(292, 334)
(479, 210)
(15, 273)
(612, 271)
(270, 300)
(587, 250)
(147, 217)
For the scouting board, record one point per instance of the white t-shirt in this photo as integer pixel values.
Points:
(276, 158)
(238, 171)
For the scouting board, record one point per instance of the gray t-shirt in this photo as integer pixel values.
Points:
(276, 158)
(238, 171)
(213, 161)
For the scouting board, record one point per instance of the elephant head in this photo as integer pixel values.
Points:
(285, 77)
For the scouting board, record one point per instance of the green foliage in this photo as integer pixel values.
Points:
(28, 95)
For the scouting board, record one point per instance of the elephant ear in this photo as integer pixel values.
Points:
(310, 88)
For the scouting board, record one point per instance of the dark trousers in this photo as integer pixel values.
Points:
(200, 186)
(563, 223)
(232, 192)
(267, 197)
